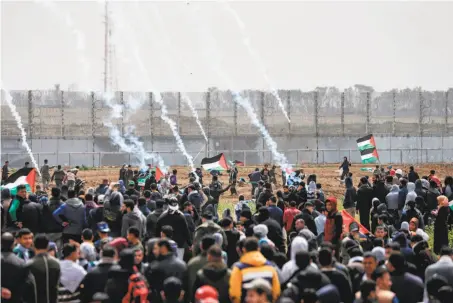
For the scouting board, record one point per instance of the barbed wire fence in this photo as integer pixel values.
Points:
(323, 122)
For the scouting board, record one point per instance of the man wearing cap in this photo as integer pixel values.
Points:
(103, 233)
(251, 267)
(131, 189)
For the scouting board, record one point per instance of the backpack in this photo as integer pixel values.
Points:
(137, 290)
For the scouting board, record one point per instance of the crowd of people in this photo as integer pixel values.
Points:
(162, 241)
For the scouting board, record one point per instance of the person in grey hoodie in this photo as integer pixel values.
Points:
(411, 194)
(72, 217)
(392, 198)
(132, 217)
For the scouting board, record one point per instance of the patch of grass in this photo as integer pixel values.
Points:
(229, 204)
(85, 168)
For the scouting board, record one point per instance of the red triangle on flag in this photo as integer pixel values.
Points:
(159, 174)
(31, 177)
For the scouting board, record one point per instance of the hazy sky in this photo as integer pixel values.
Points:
(194, 45)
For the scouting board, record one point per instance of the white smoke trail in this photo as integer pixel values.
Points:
(23, 134)
(271, 144)
(170, 48)
(187, 100)
(136, 147)
(281, 160)
(158, 96)
(256, 57)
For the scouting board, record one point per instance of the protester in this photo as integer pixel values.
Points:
(177, 247)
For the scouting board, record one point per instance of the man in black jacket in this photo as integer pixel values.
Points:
(401, 280)
(96, 279)
(365, 197)
(52, 228)
(275, 233)
(168, 265)
(151, 219)
(233, 237)
(29, 213)
(176, 219)
(412, 175)
(45, 270)
(14, 272)
(307, 216)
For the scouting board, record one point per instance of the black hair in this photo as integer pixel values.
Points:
(292, 203)
(207, 242)
(215, 251)
(147, 193)
(108, 251)
(397, 260)
(446, 251)
(166, 243)
(403, 182)
(325, 257)
(7, 242)
(395, 246)
(153, 186)
(141, 201)
(71, 193)
(378, 242)
(175, 171)
(129, 204)
(318, 185)
(88, 197)
(68, 249)
(41, 241)
(87, 234)
(251, 244)
(23, 232)
(20, 187)
(366, 287)
(133, 230)
(273, 199)
(55, 192)
(379, 272)
(167, 230)
(303, 258)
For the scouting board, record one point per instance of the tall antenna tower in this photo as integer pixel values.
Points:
(110, 72)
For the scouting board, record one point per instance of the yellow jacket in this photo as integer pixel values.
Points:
(252, 265)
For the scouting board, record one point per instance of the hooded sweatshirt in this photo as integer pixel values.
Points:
(311, 190)
(133, 218)
(73, 212)
(350, 196)
(290, 267)
(411, 194)
(250, 265)
(334, 223)
(392, 198)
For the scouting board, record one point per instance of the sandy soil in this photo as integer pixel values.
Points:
(327, 175)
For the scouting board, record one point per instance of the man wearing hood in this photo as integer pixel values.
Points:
(412, 212)
(392, 199)
(380, 191)
(58, 175)
(365, 197)
(176, 219)
(151, 219)
(132, 217)
(275, 233)
(251, 264)
(350, 197)
(334, 224)
(113, 202)
(194, 197)
(208, 227)
(298, 244)
(215, 273)
(72, 217)
(402, 195)
(411, 194)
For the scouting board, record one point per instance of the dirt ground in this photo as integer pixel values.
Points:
(327, 175)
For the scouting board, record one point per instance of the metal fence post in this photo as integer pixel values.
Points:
(316, 96)
(62, 114)
(30, 118)
(208, 122)
(263, 95)
(401, 156)
(245, 159)
(342, 113)
(297, 156)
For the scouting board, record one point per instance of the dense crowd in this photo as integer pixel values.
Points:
(161, 241)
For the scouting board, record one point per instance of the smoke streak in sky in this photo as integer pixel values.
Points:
(23, 134)
(243, 102)
(158, 96)
(256, 57)
(74, 30)
(170, 48)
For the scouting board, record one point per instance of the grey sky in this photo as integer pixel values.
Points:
(302, 44)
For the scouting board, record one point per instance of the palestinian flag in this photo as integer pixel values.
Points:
(141, 181)
(367, 148)
(348, 219)
(237, 163)
(215, 163)
(24, 176)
